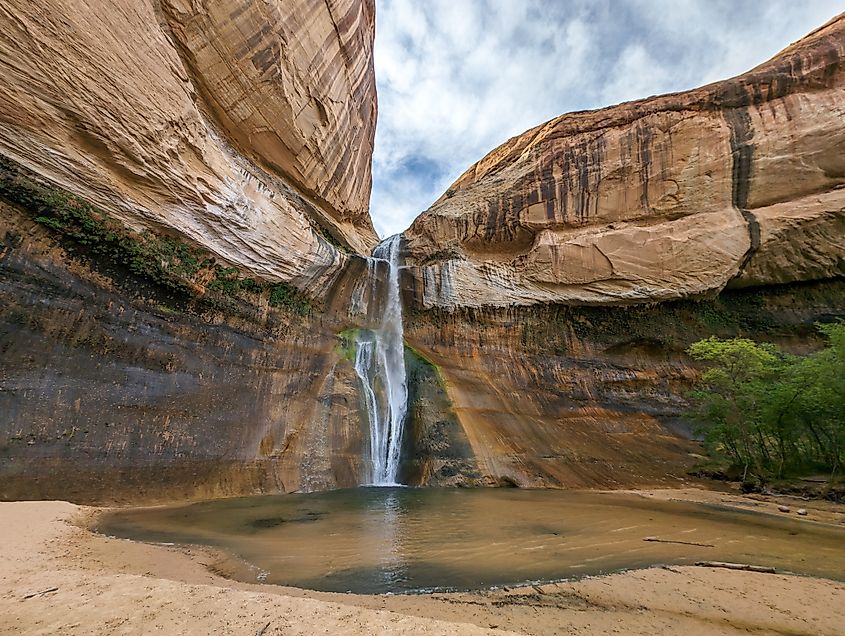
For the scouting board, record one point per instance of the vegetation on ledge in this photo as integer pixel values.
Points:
(164, 261)
(331, 239)
(346, 344)
(415, 355)
(780, 313)
(768, 414)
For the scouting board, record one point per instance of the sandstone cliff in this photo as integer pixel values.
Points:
(558, 396)
(738, 183)
(115, 391)
(112, 389)
(210, 355)
(245, 126)
(183, 188)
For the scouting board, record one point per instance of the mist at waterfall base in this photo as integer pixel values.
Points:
(378, 540)
(380, 366)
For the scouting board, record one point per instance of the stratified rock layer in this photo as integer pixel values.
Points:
(115, 390)
(246, 126)
(556, 396)
(739, 182)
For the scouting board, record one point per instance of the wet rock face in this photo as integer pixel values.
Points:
(573, 397)
(117, 388)
(436, 451)
(741, 182)
(114, 391)
(245, 126)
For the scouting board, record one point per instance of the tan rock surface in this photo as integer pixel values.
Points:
(149, 115)
(655, 199)
(801, 239)
(293, 86)
(544, 407)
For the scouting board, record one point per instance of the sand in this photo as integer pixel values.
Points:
(56, 577)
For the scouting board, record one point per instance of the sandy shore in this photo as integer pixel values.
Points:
(56, 577)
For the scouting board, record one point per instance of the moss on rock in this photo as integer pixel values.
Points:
(167, 262)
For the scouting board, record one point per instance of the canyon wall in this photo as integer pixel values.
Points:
(184, 187)
(183, 205)
(584, 397)
(656, 213)
(246, 126)
(114, 389)
(739, 183)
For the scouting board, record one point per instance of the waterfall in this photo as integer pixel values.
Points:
(380, 365)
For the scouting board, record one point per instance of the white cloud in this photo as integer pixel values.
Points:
(636, 74)
(458, 77)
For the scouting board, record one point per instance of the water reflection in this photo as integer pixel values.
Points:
(382, 541)
(374, 540)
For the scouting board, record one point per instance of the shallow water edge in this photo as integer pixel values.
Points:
(380, 540)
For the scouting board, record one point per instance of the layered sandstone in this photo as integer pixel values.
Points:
(736, 183)
(112, 390)
(585, 397)
(293, 87)
(245, 126)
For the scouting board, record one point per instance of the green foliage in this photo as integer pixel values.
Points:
(331, 240)
(770, 413)
(251, 285)
(283, 295)
(50, 222)
(715, 318)
(162, 260)
(346, 345)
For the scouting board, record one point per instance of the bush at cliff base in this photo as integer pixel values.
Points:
(772, 414)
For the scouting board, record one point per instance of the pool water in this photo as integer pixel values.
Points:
(377, 540)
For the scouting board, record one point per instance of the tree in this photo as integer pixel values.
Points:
(768, 412)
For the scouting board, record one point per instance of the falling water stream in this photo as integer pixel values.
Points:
(380, 365)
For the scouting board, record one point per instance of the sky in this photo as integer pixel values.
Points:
(456, 78)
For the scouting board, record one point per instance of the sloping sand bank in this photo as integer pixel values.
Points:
(58, 578)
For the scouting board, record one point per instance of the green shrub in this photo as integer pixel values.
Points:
(770, 413)
(282, 295)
